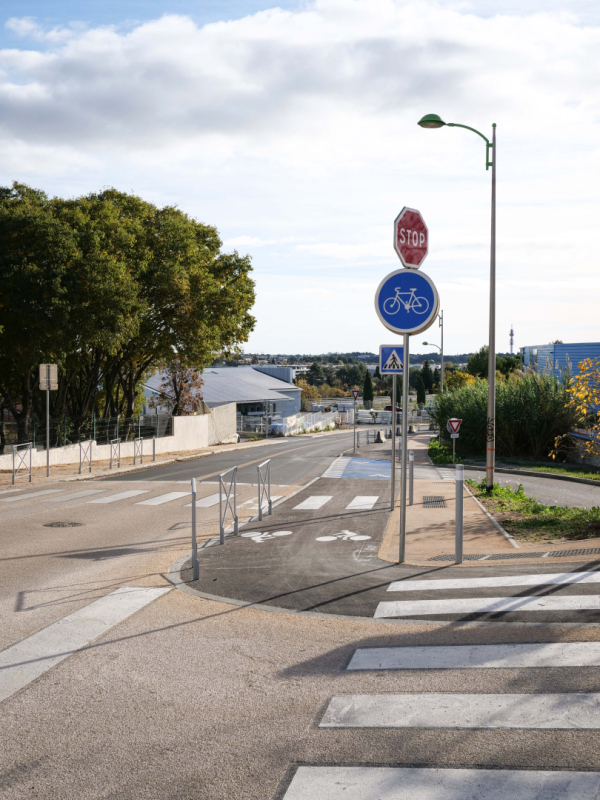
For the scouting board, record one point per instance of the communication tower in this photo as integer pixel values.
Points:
(512, 338)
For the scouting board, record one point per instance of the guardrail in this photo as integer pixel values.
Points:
(264, 488)
(224, 506)
(19, 460)
(85, 454)
(115, 452)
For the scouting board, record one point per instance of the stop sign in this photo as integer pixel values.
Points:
(411, 238)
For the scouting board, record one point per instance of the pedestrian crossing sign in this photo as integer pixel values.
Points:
(391, 359)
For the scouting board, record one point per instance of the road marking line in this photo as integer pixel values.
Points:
(254, 502)
(550, 579)
(32, 494)
(27, 660)
(414, 783)
(574, 711)
(488, 656)
(74, 496)
(362, 502)
(205, 502)
(487, 605)
(114, 498)
(313, 503)
(162, 498)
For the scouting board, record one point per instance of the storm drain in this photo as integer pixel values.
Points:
(433, 501)
(63, 525)
(542, 554)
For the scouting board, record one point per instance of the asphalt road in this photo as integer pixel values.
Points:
(296, 460)
(545, 490)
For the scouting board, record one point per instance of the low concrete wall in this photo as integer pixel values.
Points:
(189, 433)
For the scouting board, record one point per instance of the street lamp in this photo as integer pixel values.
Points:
(433, 121)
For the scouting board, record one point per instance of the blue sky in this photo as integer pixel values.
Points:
(292, 128)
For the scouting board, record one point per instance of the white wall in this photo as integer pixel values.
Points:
(189, 434)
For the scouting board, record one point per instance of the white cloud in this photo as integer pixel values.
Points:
(295, 133)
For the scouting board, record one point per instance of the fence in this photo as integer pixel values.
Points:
(64, 430)
(288, 426)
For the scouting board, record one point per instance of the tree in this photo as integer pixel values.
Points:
(427, 376)
(477, 363)
(584, 405)
(377, 373)
(507, 364)
(368, 389)
(309, 393)
(421, 398)
(456, 379)
(180, 390)
(315, 375)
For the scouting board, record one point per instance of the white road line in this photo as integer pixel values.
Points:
(75, 496)
(412, 783)
(205, 502)
(27, 660)
(362, 502)
(26, 496)
(163, 498)
(497, 656)
(498, 580)
(313, 503)
(337, 467)
(254, 501)
(482, 605)
(574, 711)
(114, 498)
(11, 491)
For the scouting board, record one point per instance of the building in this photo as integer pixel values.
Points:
(283, 373)
(560, 356)
(253, 391)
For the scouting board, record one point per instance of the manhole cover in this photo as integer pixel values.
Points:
(63, 525)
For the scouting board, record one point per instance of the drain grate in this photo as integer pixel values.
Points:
(63, 525)
(541, 554)
(443, 483)
(434, 501)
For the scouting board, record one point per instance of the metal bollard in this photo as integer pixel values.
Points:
(154, 448)
(411, 475)
(458, 545)
(195, 562)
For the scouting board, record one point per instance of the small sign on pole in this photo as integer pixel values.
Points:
(453, 427)
(48, 383)
(391, 359)
(355, 393)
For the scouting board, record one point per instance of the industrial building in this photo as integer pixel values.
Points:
(558, 356)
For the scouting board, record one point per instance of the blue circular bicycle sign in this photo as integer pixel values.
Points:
(407, 301)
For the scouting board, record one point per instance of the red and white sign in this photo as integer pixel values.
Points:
(355, 393)
(411, 238)
(454, 425)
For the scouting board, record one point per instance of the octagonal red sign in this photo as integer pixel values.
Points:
(411, 238)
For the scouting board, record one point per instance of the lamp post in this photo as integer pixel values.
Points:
(431, 344)
(433, 121)
(441, 349)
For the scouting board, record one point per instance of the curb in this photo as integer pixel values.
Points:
(529, 473)
(494, 522)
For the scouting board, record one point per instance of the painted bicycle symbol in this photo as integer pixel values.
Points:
(259, 537)
(408, 300)
(346, 536)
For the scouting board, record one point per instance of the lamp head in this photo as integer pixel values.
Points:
(425, 342)
(431, 121)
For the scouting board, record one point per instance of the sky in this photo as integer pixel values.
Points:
(292, 129)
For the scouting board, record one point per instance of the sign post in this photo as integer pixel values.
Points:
(453, 427)
(391, 362)
(48, 382)
(407, 303)
(355, 396)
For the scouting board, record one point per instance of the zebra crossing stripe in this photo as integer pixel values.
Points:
(414, 783)
(362, 503)
(313, 503)
(205, 502)
(575, 711)
(31, 494)
(114, 498)
(488, 656)
(337, 467)
(163, 498)
(487, 605)
(74, 496)
(550, 579)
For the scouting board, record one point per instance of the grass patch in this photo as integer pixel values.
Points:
(527, 520)
(441, 455)
(556, 469)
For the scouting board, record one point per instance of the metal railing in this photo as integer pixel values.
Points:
(20, 460)
(264, 488)
(85, 454)
(195, 562)
(225, 504)
(115, 452)
(138, 450)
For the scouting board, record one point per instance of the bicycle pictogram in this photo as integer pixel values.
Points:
(344, 535)
(407, 300)
(259, 537)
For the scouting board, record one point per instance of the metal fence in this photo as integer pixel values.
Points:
(64, 430)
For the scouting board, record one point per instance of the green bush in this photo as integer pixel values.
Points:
(531, 411)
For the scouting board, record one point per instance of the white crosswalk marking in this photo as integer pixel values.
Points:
(114, 498)
(576, 711)
(163, 498)
(27, 496)
(253, 503)
(486, 605)
(488, 656)
(313, 503)
(75, 496)
(205, 502)
(496, 580)
(27, 660)
(362, 503)
(336, 469)
(413, 783)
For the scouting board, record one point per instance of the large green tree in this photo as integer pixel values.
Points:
(110, 287)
